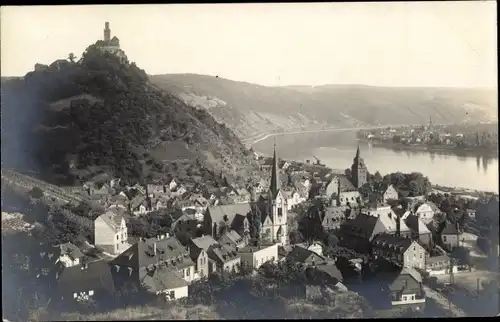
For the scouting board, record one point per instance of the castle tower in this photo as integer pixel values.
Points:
(107, 32)
(359, 172)
(430, 123)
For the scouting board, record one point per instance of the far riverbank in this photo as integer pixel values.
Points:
(438, 149)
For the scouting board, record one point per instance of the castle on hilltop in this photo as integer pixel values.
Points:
(111, 45)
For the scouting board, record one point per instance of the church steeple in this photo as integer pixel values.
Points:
(275, 182)
(359, 173)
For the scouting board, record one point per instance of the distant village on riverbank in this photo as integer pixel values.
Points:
(479, 139)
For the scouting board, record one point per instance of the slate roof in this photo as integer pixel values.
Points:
(392, 242)
(112, 218)
(389, 220)
(214, 250)
(162, 279)
(137, 201)
(362, 224)
(449, 228)
(71, 250)
(345, 183)
(221, 254)
(217, 213)
(416, 224)
(96, 276)
(398, 283)
(237, 222)
(331, 270)
(435, 259)
(233, 237)
(301, 255)
(204, 242)
(141, 254)
(336, 213)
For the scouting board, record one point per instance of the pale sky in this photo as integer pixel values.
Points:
(385, 44)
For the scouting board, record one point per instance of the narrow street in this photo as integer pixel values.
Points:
(443, 301)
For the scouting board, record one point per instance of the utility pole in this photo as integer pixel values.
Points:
(452, 277)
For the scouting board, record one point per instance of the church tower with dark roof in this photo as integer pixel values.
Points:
(359, 172)
(277, 205)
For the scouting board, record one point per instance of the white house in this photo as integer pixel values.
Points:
(390, 194)
(425, 212)
(163, 281)
(172, 184)
(256, 256)
(70, 255)
(450, 236)
(110, 232)
(294, 198)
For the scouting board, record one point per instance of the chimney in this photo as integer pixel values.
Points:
(398, 226)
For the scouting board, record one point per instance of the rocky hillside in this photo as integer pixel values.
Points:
(75, 118)
(250, 109)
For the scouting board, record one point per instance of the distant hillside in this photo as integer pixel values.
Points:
(250, 109)
(74, 118)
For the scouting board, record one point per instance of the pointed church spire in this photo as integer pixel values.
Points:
(275, 186)
(357, 152)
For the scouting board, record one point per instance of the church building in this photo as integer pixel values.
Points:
(272, 211)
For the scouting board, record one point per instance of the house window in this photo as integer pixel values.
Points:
(91, 292)
(280, 212)
(404, 297)
(444, 238)
(188, 272)
(172, 295)
(413, 297)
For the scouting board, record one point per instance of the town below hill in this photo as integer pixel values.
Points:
(355, 244)
(251, 109)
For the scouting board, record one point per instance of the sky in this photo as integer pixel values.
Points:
(438, 44)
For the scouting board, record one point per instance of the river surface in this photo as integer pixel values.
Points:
(337, 149)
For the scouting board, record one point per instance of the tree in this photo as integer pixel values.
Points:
(295, 237)
(377, 177)
(414, 188)
(36, 193)
(71, 57)
(332, 240)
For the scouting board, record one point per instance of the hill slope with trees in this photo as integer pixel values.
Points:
(100, 114)
(250, 108)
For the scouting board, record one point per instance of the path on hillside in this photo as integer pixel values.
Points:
(48, 189)
(444, 302)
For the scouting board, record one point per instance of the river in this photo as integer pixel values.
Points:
(337, 149)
